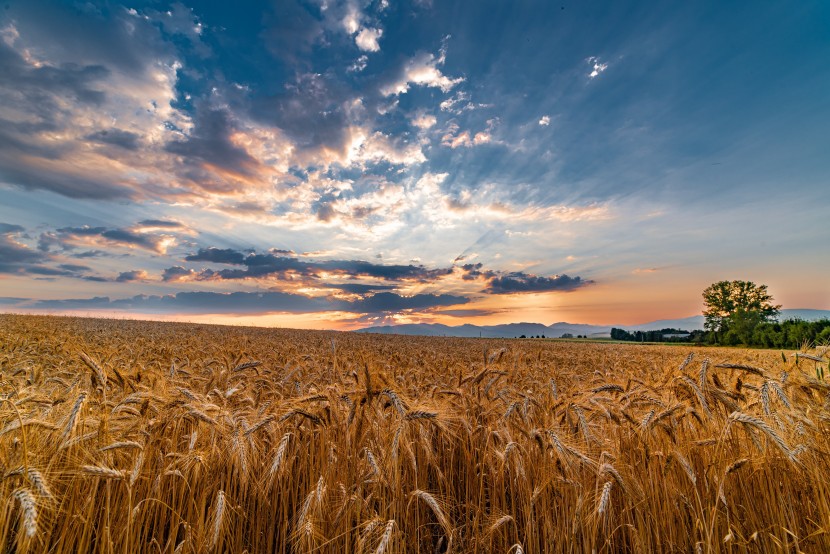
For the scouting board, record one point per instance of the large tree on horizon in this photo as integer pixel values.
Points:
(737, 307)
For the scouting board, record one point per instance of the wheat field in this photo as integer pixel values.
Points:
(127, 436)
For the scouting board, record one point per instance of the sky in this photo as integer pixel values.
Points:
(347, 163)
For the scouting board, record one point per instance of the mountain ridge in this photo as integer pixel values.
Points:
(556, 330)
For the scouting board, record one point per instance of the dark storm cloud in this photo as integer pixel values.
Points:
(522, 282)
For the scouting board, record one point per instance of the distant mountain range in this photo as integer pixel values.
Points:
(556, 330)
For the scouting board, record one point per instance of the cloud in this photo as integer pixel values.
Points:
(544, 121)
(422, 70)
(313, 111)
(13, 253)
(351, 20)
(81, 105)
(68, 238)
(517, 282)
(455, 139)
(597, 67)
(74, 267)
(503, 282)
(196, 303)
(291, 30)
(367, 39)
(390, 302)
(116, 137)
(16, 257)
(284, 267)
(8, 228)
(378, 147)
(148, 224)
(358, 288)
(473, 312)
(217, 255)
(132, 276)
(181, 20)
(471, 272)
(359, 64)
(177, 273)
(460, 102)
(209, 144)
(252, 303)
(424, 121)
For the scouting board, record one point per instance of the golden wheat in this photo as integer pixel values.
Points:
(156, 437)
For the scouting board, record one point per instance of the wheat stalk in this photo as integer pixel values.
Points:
(102, 472)
(384, 539)
(218, 518)
(430, 501)
(28, 510)
(605, 497)
(73, 415)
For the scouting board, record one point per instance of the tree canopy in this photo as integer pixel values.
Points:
(736, 308)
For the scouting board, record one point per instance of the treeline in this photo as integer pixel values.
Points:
(790, 333)
(661, 335)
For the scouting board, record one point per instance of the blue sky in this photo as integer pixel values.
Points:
(346, 163)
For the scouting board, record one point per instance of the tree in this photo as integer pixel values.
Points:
(733, 309)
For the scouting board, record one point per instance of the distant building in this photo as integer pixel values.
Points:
(676, 336)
